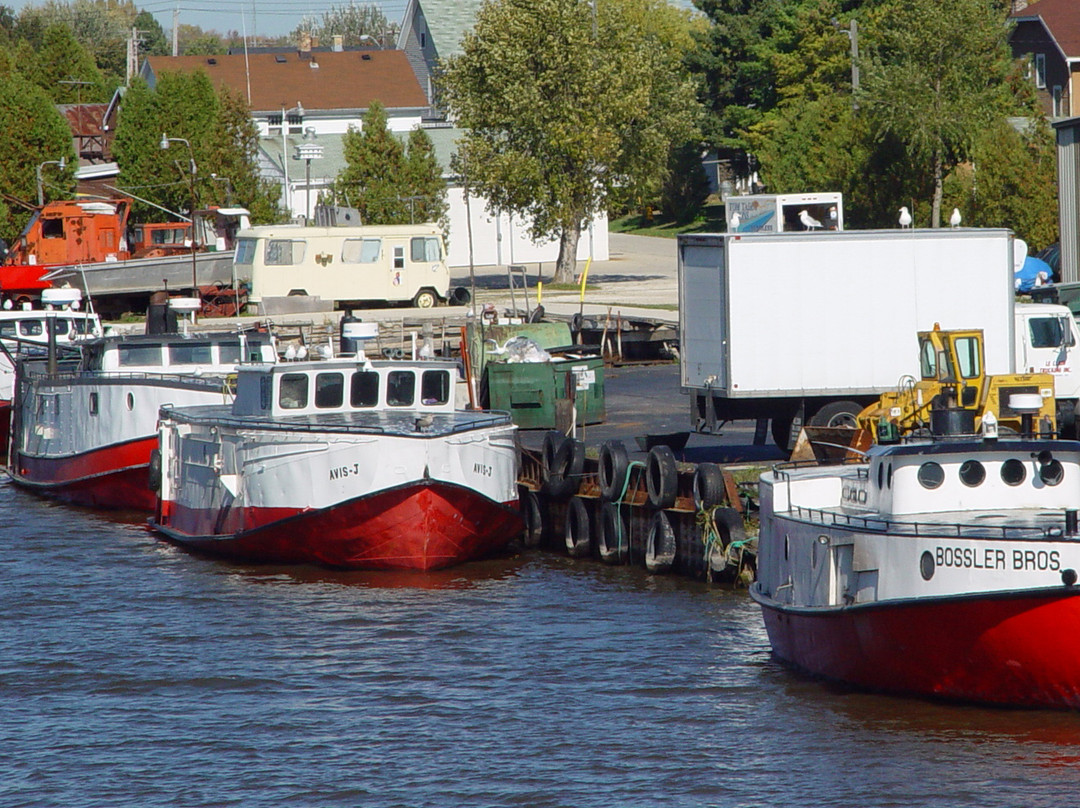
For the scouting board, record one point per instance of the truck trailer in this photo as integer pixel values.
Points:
(811, 327)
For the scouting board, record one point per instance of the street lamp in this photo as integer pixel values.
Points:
(61, 163)
(308, 152)
(192, 174)
(298, 110)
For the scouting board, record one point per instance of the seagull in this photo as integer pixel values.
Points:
(954, 220)
(809, 222)
(905, 218)
(302, 352)
(424, 422)
(735, 219)
(290, 353)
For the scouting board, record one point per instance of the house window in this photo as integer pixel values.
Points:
(1040, 70)
(423, 39)
(1057, 100)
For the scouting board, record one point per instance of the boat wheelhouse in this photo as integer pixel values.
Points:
(944, 568)
(83, 429)
(346, 463)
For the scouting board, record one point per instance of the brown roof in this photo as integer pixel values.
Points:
(1062, 20)
(84, 119)
(342, 80)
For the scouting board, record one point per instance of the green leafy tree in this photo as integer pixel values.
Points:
(356, 23)
(64, 69)
(686, 187)
(192, 40)
(936, 77)
(152, 39)
(32, 132)
(424, 181)
(375, 166)
(232, 155)
(100, 26)
(559, 115)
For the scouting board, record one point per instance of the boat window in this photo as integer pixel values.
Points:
(130, 401)
(364, 391)
(1013, 472)
(967, 357)
(229, 353)
(400, 388)
(329, 389)
(9, 329)
(293, 391)
(138, 354)
(435, 387)
(1051, 472)
(60, 327)
(361, 250)
(284, 252)
(52, 228)
(264, 393)
(931, 474)
(425, 249)
(888, 477)
(93, 403)
(399, 257)
(972, 473)
(83, 326)
(880, 475)
(927, 360)
(1050, 332)
(245, 251)
(31, 328)
(190, 353)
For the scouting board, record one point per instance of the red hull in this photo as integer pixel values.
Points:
(113, 477)
(1016, 649)
(420, 527)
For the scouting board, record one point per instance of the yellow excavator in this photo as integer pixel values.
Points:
(954, 396)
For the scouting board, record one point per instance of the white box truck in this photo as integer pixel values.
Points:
(810, 328)
(782, 213)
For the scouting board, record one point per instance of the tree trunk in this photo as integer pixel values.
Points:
(939, 182)
(566, 266)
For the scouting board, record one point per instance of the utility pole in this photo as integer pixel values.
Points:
(175, 31)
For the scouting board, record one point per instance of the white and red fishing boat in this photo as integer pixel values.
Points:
(83, 429)
(943, 568)
(346, 463)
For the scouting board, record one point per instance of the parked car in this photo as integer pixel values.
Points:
(1052, 256)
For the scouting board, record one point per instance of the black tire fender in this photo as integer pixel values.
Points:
(708, 486)
(533, 516)
(661, 546)
(154, 470)
(661, 476)
(614, 539)
(552, 441)
(578, 540)
(614, 466)
(564, 478)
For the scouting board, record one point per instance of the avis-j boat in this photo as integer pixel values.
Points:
(346, 463)
(942, 567)
(83, 429)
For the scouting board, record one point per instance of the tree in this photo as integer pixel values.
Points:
(424, 181)
(375, 164)
(686, 187)
(232, 154)
(192, 40)
(152, 39)
(64, 69)
(100, 26)
(357, 23)
(32, 132)
(936, 77)
(559, 115)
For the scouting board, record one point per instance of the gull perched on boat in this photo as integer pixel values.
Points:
(954, 220)
(809, 222)
(290, 353)
(905, 217)
(735, 220)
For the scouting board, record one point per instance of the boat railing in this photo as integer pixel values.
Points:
(441, 423)
(212, 380)
(944, 530)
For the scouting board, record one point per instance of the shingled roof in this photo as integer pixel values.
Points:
(1061, 19)
(320, 81)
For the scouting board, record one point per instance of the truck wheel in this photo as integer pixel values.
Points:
(837, 413)
(425, 299)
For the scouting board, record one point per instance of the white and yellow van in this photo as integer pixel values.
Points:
(351, 266)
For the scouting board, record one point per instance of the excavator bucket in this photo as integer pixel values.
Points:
(831, 443)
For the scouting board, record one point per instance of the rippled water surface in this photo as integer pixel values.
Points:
(134, 674)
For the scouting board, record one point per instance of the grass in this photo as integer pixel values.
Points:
(710, 220)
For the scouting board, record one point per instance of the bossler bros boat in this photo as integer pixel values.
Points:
(943, 568)
(345, 463)
(83, 429)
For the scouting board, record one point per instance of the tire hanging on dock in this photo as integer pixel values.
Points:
(552, 441)
(578, 540)
(564, 475)
(708, 486)
(154, 470)
(661, 547)
(614, 539)
(661, 476)
(533, 516)
(614, 465)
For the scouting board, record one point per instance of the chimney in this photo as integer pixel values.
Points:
(305, 46)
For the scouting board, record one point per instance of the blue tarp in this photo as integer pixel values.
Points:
(1027, 277)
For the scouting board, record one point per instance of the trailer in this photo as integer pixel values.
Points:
(811, 327)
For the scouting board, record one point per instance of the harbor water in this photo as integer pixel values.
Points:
(135, 674)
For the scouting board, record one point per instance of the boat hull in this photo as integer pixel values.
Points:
(423, 526)
(114, 476)
(1008, 648)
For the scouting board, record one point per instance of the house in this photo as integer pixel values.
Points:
(432, 33)
(1047, 34)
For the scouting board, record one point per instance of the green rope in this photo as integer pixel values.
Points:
(619, 503)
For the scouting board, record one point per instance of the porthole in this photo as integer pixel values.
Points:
(931, 474)
(880, 475)
(1052, 473)
(130, 401)
(93, 403)
(1013, 472)
(888, 477)
(972, 473)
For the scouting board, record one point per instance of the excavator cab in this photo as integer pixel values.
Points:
(953, 396)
